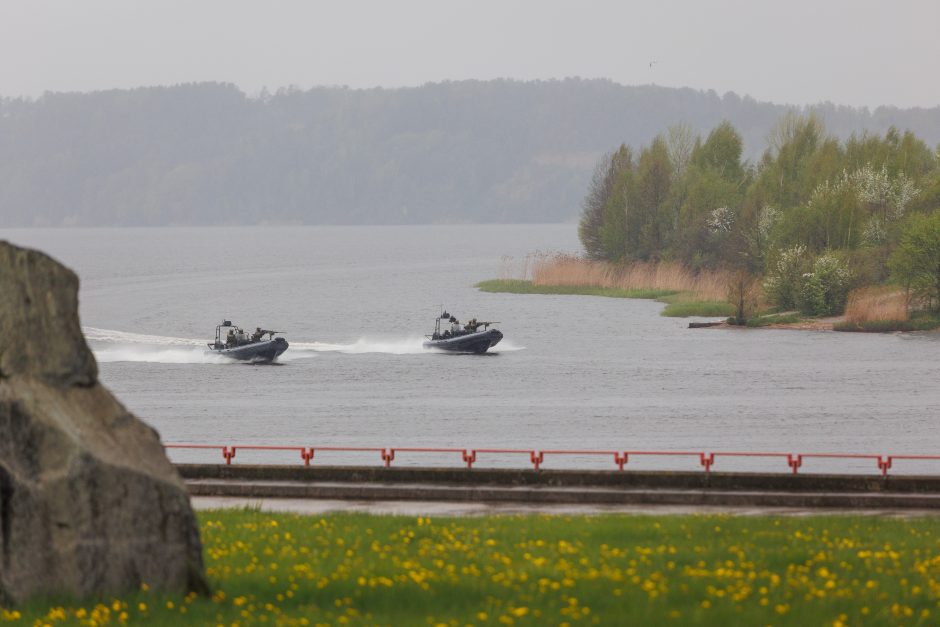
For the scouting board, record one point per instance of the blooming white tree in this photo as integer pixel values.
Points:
(720, 220)
(885, 197)
(785, 276)
(882, 192)
(824, 290)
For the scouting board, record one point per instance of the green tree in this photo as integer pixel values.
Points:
(788, 169)
(721, 153)
(704, 192)
(592, 228)
(614, 232)
(915, 263)
(649, 208)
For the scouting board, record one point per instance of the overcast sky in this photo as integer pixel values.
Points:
(858, 52)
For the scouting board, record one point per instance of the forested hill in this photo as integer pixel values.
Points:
(494, 151)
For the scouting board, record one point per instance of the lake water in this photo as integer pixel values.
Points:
(573, 371)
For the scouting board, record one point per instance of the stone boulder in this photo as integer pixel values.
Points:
(89, 503)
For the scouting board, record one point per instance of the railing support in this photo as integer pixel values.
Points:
(469, 459)
(537, 458)
(707, 460)
(620, 460)
(794, 462)
(884, 465)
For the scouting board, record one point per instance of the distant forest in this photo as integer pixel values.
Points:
(453, 152)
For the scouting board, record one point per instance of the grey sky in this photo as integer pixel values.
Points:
(859, 52)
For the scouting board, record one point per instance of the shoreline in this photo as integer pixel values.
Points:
(806, 324)
(679, 305)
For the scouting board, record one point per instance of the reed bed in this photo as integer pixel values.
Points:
(876, 303)
(570, 270)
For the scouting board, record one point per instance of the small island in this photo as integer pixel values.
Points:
(820, 233)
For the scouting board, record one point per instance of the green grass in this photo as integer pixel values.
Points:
(707, 308)
(918, 322)
(767, 320)
(537, 570)
(678, 304)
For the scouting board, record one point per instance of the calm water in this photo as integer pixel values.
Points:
(573, 372)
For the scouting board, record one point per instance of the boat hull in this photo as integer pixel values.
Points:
(256, 352)
(478, 342)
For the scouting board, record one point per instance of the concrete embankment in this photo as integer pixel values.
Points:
(552, 487)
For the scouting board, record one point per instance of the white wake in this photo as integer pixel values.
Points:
(123, 337)
(122, 346)
(406, 346)
(390, 346)
(156, 355)
(110, 346)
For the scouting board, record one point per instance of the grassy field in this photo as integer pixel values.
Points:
(521, 570)
(678, 304)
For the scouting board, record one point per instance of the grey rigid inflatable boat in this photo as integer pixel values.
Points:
(237, 344)
(462, 339)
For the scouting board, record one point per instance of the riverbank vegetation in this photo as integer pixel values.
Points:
(686, 293)
(678, 304)
(519, 286)
(814, 220)
(345, 569)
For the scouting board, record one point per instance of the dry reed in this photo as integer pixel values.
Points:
(570, 270)
(876, 303)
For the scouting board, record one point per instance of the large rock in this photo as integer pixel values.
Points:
(89, 502)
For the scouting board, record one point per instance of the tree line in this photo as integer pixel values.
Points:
(815, 215)
(451, 152)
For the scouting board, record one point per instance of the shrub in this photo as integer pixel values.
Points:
(785, 277)
(824, 290)
(812, 296)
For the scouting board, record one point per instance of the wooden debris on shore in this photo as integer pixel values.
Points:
(702, 325)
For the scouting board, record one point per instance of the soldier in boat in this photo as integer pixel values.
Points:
(465, 339)
(232, 341)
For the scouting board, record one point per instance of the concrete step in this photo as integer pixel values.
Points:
(546, 494)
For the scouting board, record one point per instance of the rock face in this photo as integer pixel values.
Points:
(89, 502)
